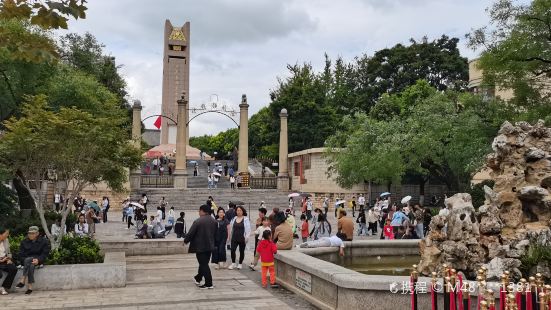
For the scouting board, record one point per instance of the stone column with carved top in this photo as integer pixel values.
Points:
(180, 171)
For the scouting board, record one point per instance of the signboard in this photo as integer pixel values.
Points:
(303, 280)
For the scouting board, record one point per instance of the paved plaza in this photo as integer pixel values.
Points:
(165, 282)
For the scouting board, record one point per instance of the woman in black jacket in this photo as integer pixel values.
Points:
(33, 251)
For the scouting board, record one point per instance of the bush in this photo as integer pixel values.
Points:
(75, 250)
(15, 241)
(534, 255)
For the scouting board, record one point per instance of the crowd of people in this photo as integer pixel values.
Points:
(219, 229)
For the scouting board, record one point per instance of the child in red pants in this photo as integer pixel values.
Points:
(266, 249)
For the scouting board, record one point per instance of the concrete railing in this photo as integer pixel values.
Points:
(136, 247)
(111, 273)
(330, 286)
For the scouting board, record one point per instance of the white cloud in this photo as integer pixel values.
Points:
(242, 46)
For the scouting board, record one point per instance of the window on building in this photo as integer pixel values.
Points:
(306, 161)
(296, 168)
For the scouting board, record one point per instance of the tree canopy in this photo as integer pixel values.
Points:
(516, 51)
(444, 136)
(318, 101)
(71, 145)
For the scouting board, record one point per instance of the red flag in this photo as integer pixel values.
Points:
(158, 123)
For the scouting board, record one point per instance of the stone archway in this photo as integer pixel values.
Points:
(180, 172)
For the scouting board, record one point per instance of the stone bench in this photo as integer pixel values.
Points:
(136, 247)
(110, 273)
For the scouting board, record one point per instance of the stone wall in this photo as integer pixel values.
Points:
(112, 273)
(135, 247)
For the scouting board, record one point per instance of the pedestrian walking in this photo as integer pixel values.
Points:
(220, 239)
(201, 242)
(129, 215)
(304, 232)
(361, 202)
(163, 203)
(180, 226)
(372, 220)
(144, 202)
(362, 223)
(326, 205)
(105, 208)
(171, 216)
(266, 250)
(240, 228)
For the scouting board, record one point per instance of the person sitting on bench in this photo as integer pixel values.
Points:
(33, 252)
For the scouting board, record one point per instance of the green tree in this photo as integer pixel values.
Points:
(87, 54)
(18, 74)
(46, 14)
(517, 52)
(70, 145)
(444, 136)
(391, 70)
(37, 16)
(311, 118)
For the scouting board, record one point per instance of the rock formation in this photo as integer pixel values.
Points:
(517, 211)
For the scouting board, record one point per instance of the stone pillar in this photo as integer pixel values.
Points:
(187, 124)
(135, 174)
(180, 171)
(243, 156)
(283, 175)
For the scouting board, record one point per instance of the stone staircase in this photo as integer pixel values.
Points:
(255, 169)
(201, 181)
(191, 199)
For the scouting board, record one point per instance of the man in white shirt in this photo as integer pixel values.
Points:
(361, 202)
(159, 216)
(309, 208)
(332, 241)
(57, 201)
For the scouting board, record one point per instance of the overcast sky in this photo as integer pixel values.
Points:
(242, 46)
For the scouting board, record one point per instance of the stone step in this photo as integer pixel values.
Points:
(191, 199)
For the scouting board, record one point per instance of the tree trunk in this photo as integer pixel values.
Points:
(26, 200)
(422, 182)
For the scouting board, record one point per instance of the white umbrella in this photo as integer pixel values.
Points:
(137, 205)
(405, 199)
(216, 174)
(293, 195)
(340, 202)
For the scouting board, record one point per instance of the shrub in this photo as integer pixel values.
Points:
(15, 241)
(534, 255)
(75, 250)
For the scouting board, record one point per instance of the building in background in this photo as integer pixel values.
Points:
(475, 84)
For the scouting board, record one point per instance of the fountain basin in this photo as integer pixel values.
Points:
(311, 274)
